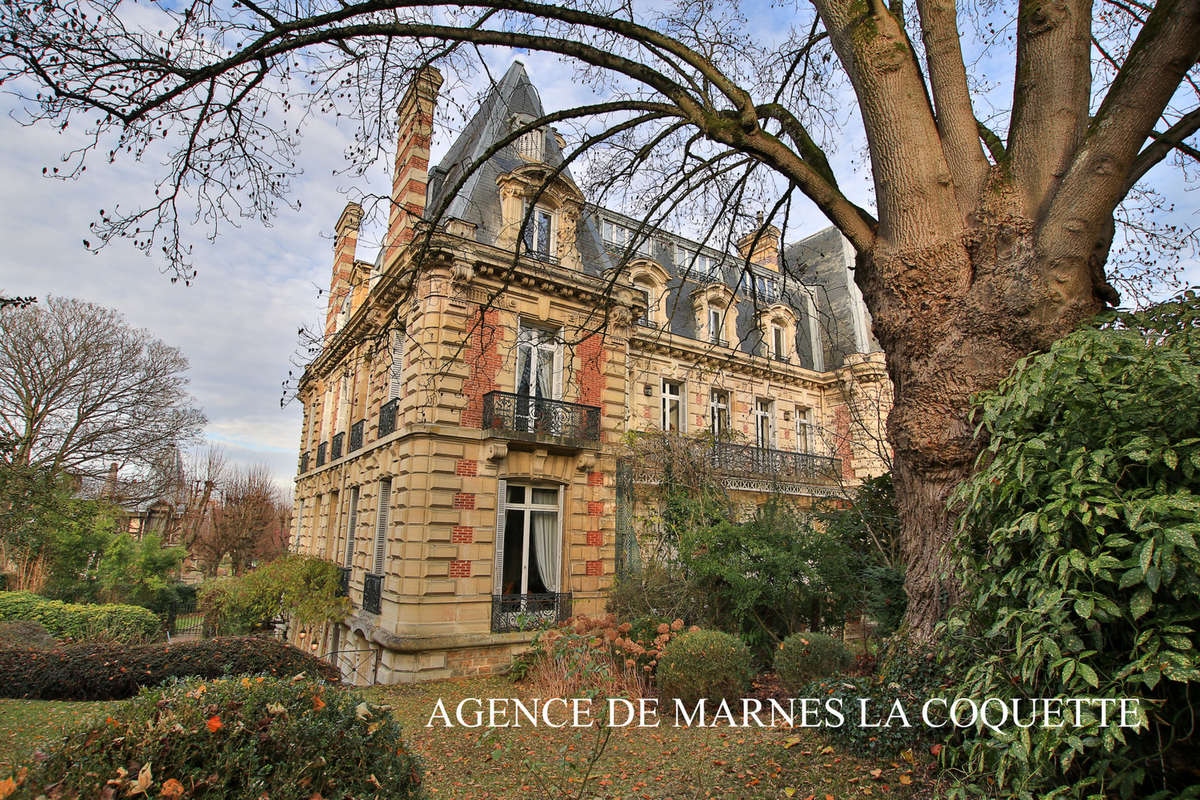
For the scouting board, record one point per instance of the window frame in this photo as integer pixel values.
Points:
(719, 408)
(666, 398)
(764, 413)
(503, 506)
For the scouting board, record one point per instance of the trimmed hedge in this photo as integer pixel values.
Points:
(116, 623)
(250, 737)
(704, 664)
(114, 672)
(803, 657)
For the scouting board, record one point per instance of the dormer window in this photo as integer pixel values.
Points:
(618, 235)
(539, 232)
(698, 265)
(715, 326)
(760, 287)
(777, 343)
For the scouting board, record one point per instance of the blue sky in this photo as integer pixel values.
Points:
(257, 285)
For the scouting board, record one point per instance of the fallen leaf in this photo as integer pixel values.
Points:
(907, 755)
(791, 741)
(876, 774)
(788, 791)
(171, 789)
(936, 749)
(144, 779)
(905, 780)
(362, 711)
(8, 786)
(214, 724)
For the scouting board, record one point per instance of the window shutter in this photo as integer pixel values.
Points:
(351, 528)
(396, 374)
(381, 523)
(502, 488)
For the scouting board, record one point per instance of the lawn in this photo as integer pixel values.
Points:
(658, 763)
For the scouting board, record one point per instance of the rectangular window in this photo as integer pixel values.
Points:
(777, 342)
(804, 430)
(539, 229)
(715, 328)
(530, 546)
(672, 406)
(381, 524)
(396, 372)
(764, 423)
(539, 374)
(351, 528)
(299, 525)
(718, 409)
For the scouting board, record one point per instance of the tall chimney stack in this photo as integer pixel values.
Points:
(343, 263)
(411, 176)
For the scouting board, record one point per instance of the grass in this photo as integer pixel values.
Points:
(29, 725)
(648, 763)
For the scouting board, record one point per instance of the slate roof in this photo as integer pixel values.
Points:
(817, 267)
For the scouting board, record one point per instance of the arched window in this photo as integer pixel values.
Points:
(650, 279)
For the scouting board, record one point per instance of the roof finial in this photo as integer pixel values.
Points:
(760, 219)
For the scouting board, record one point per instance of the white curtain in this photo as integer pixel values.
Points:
(544, 527)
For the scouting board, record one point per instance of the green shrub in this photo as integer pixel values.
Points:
(249, 737)
(113, 672)
(117, 623)
(25, 635)
(884, 741)
(304, 588)
(1078, 549)
(703, 664)
(804, 657)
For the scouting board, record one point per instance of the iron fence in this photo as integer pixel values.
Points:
(751, 461)
(520, 612)
(517, 416)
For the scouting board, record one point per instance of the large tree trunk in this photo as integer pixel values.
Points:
(953, 320)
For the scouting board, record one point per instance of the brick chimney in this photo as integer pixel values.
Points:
(411, 176)
(765, 252)
(343, 263)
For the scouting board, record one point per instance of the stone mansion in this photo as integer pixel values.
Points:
(466, 449)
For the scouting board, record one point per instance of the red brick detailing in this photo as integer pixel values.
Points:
(462, 534)
(464, 500)
(595, 479)
(460, 569)
(595, 568)
(594, 538)
(591, 376)
(467, 466)
(483, 357)
(595, 508)
(411, 171)
(845, 451)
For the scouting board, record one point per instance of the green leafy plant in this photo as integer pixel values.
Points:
(1078, 548)
(78, 621)
(233, 737)
(114, 672)
(303, 588)
(704, 664)
(803, 657)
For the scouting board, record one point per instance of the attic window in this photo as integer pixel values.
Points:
(532, 146)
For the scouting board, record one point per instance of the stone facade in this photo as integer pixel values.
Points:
(468, 419)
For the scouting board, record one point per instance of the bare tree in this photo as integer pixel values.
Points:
(991, 233)
(245, 521)
(81, 391)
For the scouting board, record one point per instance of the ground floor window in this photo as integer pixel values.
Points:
(530, 557)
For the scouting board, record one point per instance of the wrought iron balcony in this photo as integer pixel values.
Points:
(321, 450)
(356, 436)
(522, 612)
(387, 417)
(750, 461)
(344, 582)
(304, 461)
(335, 446)
(372, 593)
(537, 419)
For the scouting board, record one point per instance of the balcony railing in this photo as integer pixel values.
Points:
(520, 612)
(335, 446)
(344, 582)
(356, 436)
(304, 461)
(515, 416)
(755, 462)
(321, 450)
(387, 417)
(372, 593)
